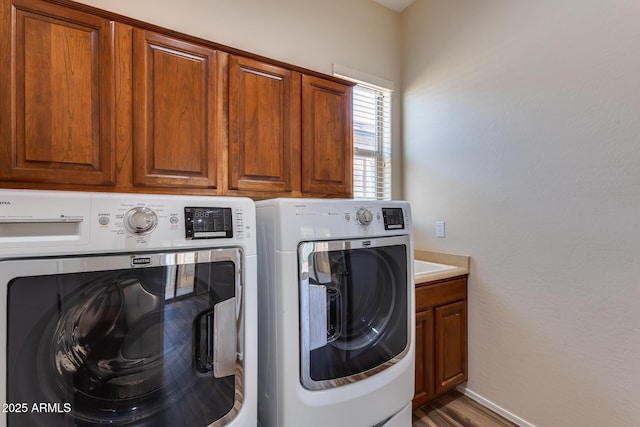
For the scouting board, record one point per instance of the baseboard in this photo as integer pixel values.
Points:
(495, 408)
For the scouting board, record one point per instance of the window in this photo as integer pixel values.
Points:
(371, 142)
(371, 133)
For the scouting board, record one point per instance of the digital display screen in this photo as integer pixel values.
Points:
(208, 223)
(393, 218)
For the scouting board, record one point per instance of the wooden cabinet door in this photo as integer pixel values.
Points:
(451, 345)
(327, 138)
(424, 358)
(56, 95)
(177, 112)
(264, 127)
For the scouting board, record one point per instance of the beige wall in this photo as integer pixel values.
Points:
(522, 132)
(359, 34)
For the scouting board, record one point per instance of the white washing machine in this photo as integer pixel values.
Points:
(127, 309)
(336, 313)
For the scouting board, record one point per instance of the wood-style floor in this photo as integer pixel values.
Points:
(457, 410)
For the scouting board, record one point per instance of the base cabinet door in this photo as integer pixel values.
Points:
(177, 112)
(451, 345)
(441, 338)
(424, 380)
(55, 95)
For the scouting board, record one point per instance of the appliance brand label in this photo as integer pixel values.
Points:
(140, 261)
(5, 202)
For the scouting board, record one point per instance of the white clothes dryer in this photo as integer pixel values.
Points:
(336, 313)
(127, 310)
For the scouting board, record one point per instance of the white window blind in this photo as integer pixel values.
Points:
(371, 143)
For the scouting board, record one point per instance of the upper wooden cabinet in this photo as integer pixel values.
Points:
(264, 127)
(290, 134)
(327, 141)
(177, 112)
(56, 95)
(95, 101)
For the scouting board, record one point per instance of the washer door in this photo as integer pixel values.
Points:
(97, 341)
(354, 316)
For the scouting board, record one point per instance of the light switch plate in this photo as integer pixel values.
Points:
(439, 228)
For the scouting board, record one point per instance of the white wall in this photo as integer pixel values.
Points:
(359, 34)
(522, 132)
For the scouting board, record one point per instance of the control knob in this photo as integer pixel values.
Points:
(364, 216)
(140, 220)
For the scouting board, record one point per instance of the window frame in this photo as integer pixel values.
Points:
(377, 187)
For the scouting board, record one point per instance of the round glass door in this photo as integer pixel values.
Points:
(124, 346)
(354, 317)
(358, 311)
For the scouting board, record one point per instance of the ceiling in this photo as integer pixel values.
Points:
(397, 5)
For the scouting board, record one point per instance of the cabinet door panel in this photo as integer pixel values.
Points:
(264, 126)
(424, 358)
(327, 138)
(451, 342)
(60, 128)
(436, 294)
(177, 112)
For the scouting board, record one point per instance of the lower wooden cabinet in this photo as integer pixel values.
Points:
(441, 338)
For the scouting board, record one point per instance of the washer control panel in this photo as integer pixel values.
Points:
(84, 222)
(136, 221)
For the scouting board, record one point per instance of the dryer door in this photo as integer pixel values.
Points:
(145, 340)
(354, 308)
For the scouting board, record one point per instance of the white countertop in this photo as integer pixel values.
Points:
(431, 266)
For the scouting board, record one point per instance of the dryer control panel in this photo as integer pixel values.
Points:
(313, 219)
